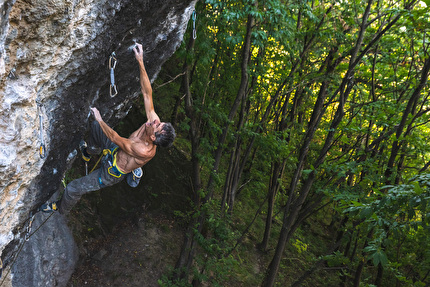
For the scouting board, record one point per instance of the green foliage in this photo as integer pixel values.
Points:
(398, 216)
(347, 144)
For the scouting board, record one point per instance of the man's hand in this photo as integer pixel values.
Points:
(138, 52)
(96, 114)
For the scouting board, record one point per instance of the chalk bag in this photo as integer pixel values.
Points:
(133, 178)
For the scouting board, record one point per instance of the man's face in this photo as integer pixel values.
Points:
(153, 127)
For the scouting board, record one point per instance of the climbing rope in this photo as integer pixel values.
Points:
(105, 152)
(194, 25)
(26, 238)
(112, 64)
(42, 148)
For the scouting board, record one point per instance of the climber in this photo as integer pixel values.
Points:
(123, 155)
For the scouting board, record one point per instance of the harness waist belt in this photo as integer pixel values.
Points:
(114, 170)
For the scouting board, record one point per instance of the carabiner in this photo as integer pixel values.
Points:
(113, 88)
(112, 61)
(42, 150)
(30, 224)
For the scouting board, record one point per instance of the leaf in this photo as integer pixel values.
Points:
(379, 257)
(356, 203)
(366, 212)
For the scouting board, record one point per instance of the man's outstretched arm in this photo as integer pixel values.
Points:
(128, 146)
(145, 85)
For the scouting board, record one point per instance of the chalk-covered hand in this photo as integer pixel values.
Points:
(96, 114)
(138, 52)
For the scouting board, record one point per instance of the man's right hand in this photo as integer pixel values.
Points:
(138, 52)
(96, 114)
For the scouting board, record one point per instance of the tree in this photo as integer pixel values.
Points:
(308, 106)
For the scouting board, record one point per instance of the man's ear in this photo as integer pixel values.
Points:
(153, 138)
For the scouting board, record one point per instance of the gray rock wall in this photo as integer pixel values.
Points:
(54, 63)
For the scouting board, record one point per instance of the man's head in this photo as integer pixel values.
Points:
(165, 136)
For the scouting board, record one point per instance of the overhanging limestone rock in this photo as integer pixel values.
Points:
(54, 54)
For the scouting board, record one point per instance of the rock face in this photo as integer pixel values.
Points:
(54, 65)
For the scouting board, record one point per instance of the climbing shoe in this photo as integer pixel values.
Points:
(49, 207)
(83, 149)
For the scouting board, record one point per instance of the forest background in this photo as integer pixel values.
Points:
(306, 123)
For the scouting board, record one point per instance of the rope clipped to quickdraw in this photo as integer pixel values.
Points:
(112, 64)
(194, 25)
(42, 148)
(28, 234)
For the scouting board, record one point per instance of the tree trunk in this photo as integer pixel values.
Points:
(409, 108)
(246, 53)
(378, 280)
(185, 259)
(290, 212)
(273, 189)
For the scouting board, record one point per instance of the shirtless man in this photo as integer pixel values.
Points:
(124, 154)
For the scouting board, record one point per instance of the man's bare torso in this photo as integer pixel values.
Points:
(147, 149)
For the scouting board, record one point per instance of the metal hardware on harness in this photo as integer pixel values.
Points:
(42, 148)
(112, 64)
(194, 25)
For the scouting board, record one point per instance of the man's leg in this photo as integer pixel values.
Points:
(96, 180)
(78, 187)
(98, 140)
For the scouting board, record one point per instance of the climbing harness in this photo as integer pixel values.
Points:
(42, 148)
(114, 170)
(194, 25)
(26, 238)
(112, 64)
(133, 178)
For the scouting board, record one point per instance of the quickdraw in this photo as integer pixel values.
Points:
(194, 25)
(42, 148)
(29, 226)
(112, 64)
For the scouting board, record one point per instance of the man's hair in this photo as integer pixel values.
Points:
(166, 136)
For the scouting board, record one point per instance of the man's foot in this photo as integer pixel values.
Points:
(83, 149)
(49, 207)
